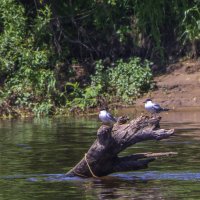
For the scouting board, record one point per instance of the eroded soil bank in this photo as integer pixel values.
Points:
(178, 87)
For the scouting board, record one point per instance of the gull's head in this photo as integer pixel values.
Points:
(147, 100)
(103, 108)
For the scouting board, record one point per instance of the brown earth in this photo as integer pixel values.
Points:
(179, 87)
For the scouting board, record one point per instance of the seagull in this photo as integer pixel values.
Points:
(106, 117)
(153, 107)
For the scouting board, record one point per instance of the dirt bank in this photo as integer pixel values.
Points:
(179, 87)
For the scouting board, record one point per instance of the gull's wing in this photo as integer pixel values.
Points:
(111, 117)
(157, 107)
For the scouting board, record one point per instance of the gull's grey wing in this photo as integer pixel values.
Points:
(111, 117)
(157, 107)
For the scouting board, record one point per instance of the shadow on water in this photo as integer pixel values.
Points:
(35, 154)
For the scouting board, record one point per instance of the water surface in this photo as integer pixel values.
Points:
(35, 154)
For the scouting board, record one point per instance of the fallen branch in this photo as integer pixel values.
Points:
(102, 157)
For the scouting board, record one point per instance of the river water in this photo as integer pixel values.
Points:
(36, 153)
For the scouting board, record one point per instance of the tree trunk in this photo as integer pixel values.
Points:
(102, 157)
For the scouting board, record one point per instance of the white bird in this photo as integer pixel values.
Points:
(153, 107)
(106, 117)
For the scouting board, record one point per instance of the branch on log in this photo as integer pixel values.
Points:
(102, 157)
(132, 162)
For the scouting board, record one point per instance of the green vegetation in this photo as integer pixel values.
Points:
(25, 59)
(125, 81)
(131, 79)
(191, 27)
(111, 42)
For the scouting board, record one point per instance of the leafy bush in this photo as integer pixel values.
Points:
(126, 81)
(191, 23)
(25, 57)
(130, 79)
(87, 97)
(99, 77)
(82, 98)
(191, 27)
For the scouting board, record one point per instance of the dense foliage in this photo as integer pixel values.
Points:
(76, 54)
(25, 58)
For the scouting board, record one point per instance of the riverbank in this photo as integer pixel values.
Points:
(178, 87)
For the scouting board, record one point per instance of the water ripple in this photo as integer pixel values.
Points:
(151, 175)
(154, 175)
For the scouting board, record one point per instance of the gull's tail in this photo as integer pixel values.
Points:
(165, 109)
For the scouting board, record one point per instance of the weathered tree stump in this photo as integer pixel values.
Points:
(102, 157)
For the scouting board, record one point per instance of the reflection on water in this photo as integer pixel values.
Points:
(36, 153)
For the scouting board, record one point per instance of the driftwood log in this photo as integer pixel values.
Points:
(102, 157)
